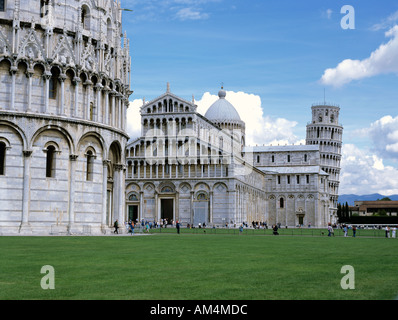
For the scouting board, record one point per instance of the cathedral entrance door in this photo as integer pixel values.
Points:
(133, 213)
(167, 209)
(300, 219)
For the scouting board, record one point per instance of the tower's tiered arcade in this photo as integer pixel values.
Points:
(326, 131)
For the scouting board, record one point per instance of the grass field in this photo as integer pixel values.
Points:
(198, 267)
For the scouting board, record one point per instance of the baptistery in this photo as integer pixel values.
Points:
(64, 92)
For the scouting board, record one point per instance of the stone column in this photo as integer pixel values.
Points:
(62, 79)
(47, 77)
(97, 109)
(157, 214)
(29, 75)
(115, 197)
(177, 207)
(13, 72)
(76, 81)
(120, 111)
(105, 164)
(120, 191)
(72, 183)
(124, 106)
(191, 206)
(25, 227)
(211, 207)
(141, 204)
(106, 119)
(113, 120)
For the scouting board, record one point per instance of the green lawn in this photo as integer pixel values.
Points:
(198, 267)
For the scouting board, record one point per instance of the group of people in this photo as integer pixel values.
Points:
(393, 231)
(145, 225)
(390, 232)
(130, 226)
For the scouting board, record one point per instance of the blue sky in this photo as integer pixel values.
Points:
(278, 52)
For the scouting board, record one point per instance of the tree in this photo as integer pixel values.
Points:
(339, 210)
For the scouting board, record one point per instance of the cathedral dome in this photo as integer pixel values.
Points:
(222, 110)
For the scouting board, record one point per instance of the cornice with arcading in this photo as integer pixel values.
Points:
(48, 64)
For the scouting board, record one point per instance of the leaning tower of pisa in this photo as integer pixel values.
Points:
(65, 85)
(326, 131)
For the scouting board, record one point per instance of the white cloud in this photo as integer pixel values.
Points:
(365, 173)
(329, 13)
(260, 129)
(384, 135)
(172, 9)
(382, 61)
(133, 127)
(386, 23)
(191, 14)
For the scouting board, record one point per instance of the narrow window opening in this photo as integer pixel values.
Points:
(2, 158)
(90, 166)
(50, 165)
(53, 82)
(2, 5)
(43, 7)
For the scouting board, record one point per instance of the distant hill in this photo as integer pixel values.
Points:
(350, 198)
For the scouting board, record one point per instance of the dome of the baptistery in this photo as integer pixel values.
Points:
(222, 110)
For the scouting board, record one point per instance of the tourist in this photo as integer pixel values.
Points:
(116, 226)
(131, 225)
(387, 231)
(354, 231)
(178, 227)
(345, 231)
(275, 229)
(394, 232)
(329, 230)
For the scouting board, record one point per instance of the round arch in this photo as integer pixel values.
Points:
(115, 152)
(220, 184)
(65, 133)
(19, 131)
(100, 139)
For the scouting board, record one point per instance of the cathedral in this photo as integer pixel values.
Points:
(197, 169)
(67, 165)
